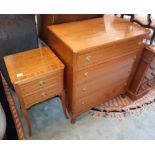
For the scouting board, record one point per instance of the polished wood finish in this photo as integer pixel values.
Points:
(145, 74)
(36, 75)
(50, 19)
(144, 22)
(100, 55)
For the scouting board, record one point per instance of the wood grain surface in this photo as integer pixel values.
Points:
(101, 56)
(37, 75)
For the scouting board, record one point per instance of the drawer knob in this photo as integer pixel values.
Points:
(43, 94)
(83, 89)
(41, 83)
(140, 42)
(83, 102)
(86, 74)
(88, 58)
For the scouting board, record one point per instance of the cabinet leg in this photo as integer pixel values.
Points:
(73, 119)
(63, 101)
(27, 121)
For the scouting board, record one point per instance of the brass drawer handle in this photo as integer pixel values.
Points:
(88, 58)
(86, 74)
(41, 83)
(140, 42)
(83, 102)
(43, 94)
(84, 89)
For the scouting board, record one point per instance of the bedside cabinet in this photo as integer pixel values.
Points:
(144, 78)
(37, 75)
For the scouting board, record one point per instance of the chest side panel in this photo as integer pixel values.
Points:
(67, 56)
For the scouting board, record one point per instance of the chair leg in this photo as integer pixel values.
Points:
(153, 37)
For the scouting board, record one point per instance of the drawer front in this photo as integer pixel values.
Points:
(107, 68)
(104, 81)
(98, 97)
(41, 95)
(103, 54)
(41, 83)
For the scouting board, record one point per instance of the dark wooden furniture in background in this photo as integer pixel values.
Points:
(36, 75)
(144, 77)
(145, 74)
(100, 56)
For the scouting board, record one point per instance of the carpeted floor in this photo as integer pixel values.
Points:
(48, 122)
(120, 107)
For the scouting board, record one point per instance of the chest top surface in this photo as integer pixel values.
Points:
(90, 33)
(32, 63)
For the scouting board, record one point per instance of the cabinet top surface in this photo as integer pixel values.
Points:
(81, 35)
(32, 63)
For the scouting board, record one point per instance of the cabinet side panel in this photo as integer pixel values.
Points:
(66, 56)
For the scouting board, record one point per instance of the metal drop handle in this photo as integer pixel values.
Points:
(41, 83)
(84, 89)
(43, 94)
(88, 58)
(86, 74)
(83, 102)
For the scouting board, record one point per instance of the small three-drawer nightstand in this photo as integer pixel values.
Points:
(36, 75)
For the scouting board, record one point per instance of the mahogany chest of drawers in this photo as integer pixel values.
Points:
(100, 55)
(36, 75)
(144, 78)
